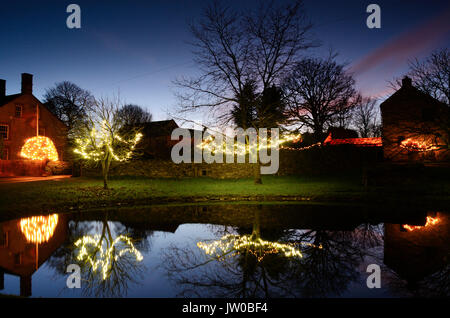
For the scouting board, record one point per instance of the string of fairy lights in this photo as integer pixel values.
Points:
(412, 144)
(214, 145)
(39, 148)
(231, 245)
(98, 143)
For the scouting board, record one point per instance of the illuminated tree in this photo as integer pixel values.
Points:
(98, 138)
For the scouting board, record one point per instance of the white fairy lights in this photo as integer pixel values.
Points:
(231, 245)
(98, 143)
(106, 256)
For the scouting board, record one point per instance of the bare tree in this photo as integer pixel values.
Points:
(134, 114)
(317, 91)
(233, 48)
(68, 102)
(365, 117)
(432, 75)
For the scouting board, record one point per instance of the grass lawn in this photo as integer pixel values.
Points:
(76, 193)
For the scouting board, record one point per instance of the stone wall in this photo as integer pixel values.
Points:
(309, 162)
(13, 168)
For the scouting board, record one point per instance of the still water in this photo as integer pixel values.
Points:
(234, 250)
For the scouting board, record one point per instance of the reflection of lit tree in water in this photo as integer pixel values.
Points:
(38, 230)
(307, 263)
(109, 261)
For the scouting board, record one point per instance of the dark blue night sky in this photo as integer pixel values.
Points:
(137, 48)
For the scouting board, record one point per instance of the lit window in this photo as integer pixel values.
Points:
(18, 112)
(4, 131)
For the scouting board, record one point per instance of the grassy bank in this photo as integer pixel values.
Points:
(76, 193)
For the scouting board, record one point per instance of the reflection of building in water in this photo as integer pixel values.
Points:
(20, 254)
(418, 250)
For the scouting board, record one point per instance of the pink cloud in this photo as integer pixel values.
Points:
(407, 45)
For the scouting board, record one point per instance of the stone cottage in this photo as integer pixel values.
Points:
(18, 121)
(415, 126)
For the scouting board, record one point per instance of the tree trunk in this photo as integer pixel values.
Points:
(257, 170)
(257, 173)
(105, 169)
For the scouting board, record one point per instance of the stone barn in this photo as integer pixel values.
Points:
(415, 126)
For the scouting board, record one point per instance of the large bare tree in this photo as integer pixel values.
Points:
(319, 91)
(68, 102)
(234, 48)
(134, 114)
(432, 75)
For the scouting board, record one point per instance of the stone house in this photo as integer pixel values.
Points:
(156, 142)
(18, 121)
(415, 126)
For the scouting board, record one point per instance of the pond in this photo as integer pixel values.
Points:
(227, 250)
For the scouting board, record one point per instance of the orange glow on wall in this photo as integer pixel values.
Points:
(430, 221)
(39, 229)
(412, 144)
(39, 148)
(359, 142)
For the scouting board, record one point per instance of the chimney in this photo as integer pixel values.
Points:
(2, 88)
(406, 82)
(27, 83)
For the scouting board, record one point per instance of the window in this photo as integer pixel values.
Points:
(41, 131)
(4, 131)
(4, 239)
(18, 112)
(18, 259)
(4, 154)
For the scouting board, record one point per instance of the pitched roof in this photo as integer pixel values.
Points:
(9, 98)
(408, 91)
(159, 128)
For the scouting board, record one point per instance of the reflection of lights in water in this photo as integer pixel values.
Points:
(430, 221)
(104, 261)
(39, 148)
(412, 144)
(258, 247)
(39, 229)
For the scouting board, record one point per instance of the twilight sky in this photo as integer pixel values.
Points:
(137, 48)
